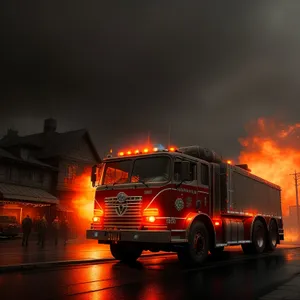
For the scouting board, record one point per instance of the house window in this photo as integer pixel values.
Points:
(71, 171)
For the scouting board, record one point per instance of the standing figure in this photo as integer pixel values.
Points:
(43, 231)
(55, 226)
(26, 227)
(65, 230)
(37, 226)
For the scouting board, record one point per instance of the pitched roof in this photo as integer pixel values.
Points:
(30, 160)
(6, 154)
(51, 144)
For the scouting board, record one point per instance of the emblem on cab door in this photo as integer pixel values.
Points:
(121, 204)
(179, 204)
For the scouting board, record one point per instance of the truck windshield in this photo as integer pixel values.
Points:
(151, 169)
(146, 169)
(117, 172)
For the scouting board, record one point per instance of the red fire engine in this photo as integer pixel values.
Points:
(184, 200)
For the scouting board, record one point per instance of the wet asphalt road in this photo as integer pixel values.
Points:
(232, 276)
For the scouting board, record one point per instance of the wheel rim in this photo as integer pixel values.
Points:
(260, 237)
(273, 236)
(199, 244)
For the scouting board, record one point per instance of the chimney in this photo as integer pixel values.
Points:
(12, 133)
(50, 125)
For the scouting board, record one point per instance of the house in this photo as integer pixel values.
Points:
(25, 184)
(70, 156)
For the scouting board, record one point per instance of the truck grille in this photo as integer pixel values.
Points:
(130, 219)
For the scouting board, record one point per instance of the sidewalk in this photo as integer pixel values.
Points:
(288, 291)
(14, 256)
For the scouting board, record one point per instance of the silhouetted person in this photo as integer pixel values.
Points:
(65, 230)
(26, 228)
(37, 226)
(55, 226)
(43, 231)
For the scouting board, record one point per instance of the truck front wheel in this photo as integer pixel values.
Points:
(125, 252)
(196, 251)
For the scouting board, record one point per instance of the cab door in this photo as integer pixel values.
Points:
(203, 203)
(184, 195)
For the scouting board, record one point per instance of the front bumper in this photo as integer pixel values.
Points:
(141, 236)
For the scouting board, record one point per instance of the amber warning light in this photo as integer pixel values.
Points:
(150, 214)
(145, 150)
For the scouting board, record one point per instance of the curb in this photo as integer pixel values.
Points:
(49, 264)
(31, 266)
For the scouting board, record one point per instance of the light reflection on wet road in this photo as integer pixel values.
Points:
(233, 276)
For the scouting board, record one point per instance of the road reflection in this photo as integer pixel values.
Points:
(233, 275)
(160, 277)
(237, 281)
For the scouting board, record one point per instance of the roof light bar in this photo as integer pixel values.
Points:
(155, 148)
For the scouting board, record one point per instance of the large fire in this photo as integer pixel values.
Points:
(83, 203)
(272, 151)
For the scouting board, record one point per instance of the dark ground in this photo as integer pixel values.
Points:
(233, 276)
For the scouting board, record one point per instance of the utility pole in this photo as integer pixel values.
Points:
(297, 178)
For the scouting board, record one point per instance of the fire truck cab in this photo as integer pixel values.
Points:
(184, 200)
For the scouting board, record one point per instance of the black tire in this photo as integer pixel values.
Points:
(247, 248)
(196, 251)
(259, 239)
(216, 251)
(125, 252)
(272, 236)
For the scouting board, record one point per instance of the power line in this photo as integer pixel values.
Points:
(296, 176)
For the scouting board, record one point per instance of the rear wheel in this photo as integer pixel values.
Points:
(272, 236)
(196, 251)
(125, 252)
(258, 244)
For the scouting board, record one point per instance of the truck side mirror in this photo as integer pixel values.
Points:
(185, 171)
(94, 175)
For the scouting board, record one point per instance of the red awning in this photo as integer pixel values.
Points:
(14, 192)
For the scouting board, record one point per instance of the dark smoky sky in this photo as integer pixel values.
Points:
(124, 68)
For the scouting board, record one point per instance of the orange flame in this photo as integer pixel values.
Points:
(83, 203)
(272, 151)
